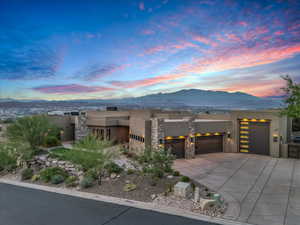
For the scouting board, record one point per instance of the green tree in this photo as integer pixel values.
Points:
(32, 130)
(292, 90)
(92, 153)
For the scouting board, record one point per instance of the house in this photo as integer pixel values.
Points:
(188, 134)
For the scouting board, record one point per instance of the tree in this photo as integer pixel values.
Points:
(32, 130)
(292, 100)
(92, 153)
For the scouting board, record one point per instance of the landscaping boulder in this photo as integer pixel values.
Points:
(205, 204)
(182, 189)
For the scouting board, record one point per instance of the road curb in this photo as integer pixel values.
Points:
(124, 202)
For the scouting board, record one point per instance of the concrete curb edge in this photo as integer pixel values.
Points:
(124, 202)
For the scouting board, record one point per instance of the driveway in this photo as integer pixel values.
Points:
(24, 206)
(259, 189)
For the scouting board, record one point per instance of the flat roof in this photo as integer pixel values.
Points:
(175, 120)
(210, 120)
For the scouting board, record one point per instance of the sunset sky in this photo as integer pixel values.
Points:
(118, 48)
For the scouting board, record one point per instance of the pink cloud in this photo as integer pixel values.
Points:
(243, 57)
(204, 40)
(146, 81)
(278, 33)
(243, 23)
(170, 47)
(148, 32)
(142, 6)
(70, 89)
(233, 37)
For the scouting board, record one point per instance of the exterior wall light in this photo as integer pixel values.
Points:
(207, 134)
(245, 119)
(217, 133)
(169, 138)
(198, 134)
(253, 120)
(181, 137)
(275, 137)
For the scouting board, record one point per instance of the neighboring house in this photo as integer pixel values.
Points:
(187, 134)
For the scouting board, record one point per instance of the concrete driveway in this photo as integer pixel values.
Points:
(259, 189)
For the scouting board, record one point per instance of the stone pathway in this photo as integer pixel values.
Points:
(259, 189)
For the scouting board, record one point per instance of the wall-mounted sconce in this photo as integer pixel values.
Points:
(275, 137)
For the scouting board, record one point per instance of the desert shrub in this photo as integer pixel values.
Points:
(87, 182)
(8, 158)
(156, 172)
(91, 173)
(156, 161)
(185, 179)
(153, 181)
(176, 173)
(71, 181)
(52, 141)
(47, 174)
(113, 168)
(32, 130)
(27, 174)
(57, 179)
(130, 171)
(35, 177)
(129, 187)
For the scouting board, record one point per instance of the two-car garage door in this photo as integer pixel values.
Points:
(208, 144)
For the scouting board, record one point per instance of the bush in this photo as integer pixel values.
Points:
(52, 141)
(71, 181)
(8, 158)
(185, 179)
(57, 179)
(92, 173)
(113, 168)
(27, 174)
(157, 173)
(35, 178)
(87, 182)
(130, 171)
(47, 174)
(176, 173)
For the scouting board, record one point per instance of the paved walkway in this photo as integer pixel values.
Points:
(260, 189)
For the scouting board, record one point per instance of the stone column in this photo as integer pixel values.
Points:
(190, 140)
(81, 128)
(157, 132)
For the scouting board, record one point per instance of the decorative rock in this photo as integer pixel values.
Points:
(153, 196)
(197, 194)
(205, 204)
(127, 181)
(170, 176)
(182, 189)
(113, 175)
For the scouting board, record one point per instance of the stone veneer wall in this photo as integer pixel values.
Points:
(190, 146)
(157, 132)
(81, 129)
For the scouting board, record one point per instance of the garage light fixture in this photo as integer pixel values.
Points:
(253, 120)
(244, 132)
(198, 135)
(245, 119)
(263, 120)
(207, 134)
(169, 138)
(243, 136)
(217, 133)
(181, 137)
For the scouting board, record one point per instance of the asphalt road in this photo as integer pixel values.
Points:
(24, 206)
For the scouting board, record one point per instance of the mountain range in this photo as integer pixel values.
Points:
(184, 98)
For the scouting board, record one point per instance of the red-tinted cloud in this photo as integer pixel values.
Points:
(70, 89)
(142, 6)
(204, 40)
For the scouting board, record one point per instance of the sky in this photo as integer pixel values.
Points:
(101, 49)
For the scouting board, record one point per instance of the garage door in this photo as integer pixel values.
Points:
(254, 137)
(177, 147)
(208, 144)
